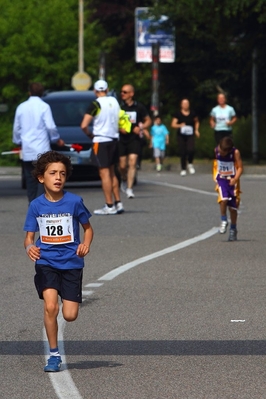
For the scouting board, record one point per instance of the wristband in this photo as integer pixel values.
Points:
(28, 247)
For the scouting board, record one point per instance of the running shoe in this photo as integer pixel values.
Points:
(223, 226)
(53, 364)
(191, 169)
(130, 193)
(119, 208)
(123, 186)
(183, 172)
(158, 167)
(106, 211)
(232, 235)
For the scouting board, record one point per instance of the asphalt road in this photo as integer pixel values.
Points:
(187, 323)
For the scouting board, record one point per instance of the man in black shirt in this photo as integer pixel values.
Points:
(130, 143)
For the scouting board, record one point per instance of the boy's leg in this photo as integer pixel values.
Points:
(224, 223)
(70, 310)
(223, 207)
(233, 214)
(51, 309)
(233, 229)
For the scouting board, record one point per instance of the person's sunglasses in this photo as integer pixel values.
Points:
(124, 92)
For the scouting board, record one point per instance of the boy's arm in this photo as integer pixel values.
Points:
(33, 252)
(84, 248)
(239, 168)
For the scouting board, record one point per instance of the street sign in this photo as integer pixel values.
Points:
(81, 81)
(148, 31)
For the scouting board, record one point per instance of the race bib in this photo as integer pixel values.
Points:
(56, 230)
(226, 168)
(187, 130)
(132, 116)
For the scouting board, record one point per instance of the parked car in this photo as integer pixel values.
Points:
(68, 108)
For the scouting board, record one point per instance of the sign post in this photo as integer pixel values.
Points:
(155, 103)
(81, 80)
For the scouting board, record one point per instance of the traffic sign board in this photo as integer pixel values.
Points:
(81, 81)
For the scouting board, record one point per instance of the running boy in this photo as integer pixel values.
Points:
(58, 253)
(160, 138)
(227, 170)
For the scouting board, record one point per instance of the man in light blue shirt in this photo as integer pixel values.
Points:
(34, 129)
(222, 118)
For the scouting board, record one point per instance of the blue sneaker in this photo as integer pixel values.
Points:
(53, 364)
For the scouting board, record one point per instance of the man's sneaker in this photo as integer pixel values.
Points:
(183, 172)
(191, 169)
(130, 193)
(119, 208)
(106, 210)
(158, 167)
(123, 186)
(232, 235)
(223, 226)
(53, 364)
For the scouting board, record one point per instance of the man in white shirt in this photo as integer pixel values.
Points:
(34, 129)
(104, 112)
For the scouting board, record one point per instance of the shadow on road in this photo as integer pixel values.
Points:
(142, 348)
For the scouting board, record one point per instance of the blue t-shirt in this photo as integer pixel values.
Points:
(70, 209)
(221, 116)
(159, 133)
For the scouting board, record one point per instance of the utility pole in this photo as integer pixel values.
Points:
(81, 36)
(81, 80)
(155, 78)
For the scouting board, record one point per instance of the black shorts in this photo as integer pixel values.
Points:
(68, 283)
(129, 147)
(105, 154)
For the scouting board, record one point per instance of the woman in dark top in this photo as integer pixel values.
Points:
(187, 124)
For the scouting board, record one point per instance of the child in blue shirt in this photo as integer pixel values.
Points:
(58, 252)
(159, 140)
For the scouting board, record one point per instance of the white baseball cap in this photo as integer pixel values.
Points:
(101, 85)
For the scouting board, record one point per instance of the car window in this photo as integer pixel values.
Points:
(68, 112)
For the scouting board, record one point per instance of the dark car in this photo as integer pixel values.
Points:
(68, 108)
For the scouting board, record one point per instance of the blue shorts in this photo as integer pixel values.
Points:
(68, 283)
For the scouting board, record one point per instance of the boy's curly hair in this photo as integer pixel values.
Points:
(40, 166)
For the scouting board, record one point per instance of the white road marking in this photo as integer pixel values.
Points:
(62, 382)
(238, 321)
(95, 285)
(87, 293)
(194, 190)
(121, 269)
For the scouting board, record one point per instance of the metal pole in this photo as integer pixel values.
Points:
(81, 36)
(155, 78)
(102, 67)
(255, 141)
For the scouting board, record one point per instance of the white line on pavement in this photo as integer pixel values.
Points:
(121, 269)
(62, 382)
(194, 190)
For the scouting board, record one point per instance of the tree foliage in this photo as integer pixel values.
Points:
(214, 46)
